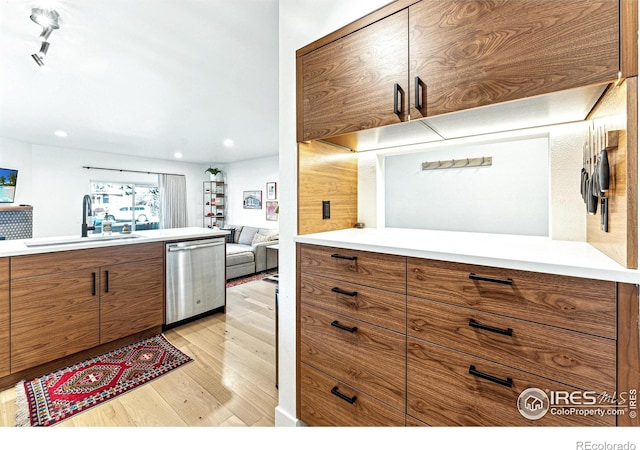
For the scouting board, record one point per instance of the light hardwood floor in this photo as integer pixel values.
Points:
(231, 381)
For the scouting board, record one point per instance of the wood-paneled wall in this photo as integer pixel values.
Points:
(326, 172)
(621, 241)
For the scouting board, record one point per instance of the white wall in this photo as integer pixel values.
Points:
(509, 197)
(301, 22)
(53, 181)
(251, 175)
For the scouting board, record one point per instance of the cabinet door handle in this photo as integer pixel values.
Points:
(474, 324)
(473, 276)
(106, 281)
(337, 290)
(418, 97)
(339, 256)
(508, 382)
(94, 283)
(396, 99)
(337, 324)
(337, 393)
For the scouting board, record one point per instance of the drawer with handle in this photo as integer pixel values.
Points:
(577, 304)
(577, 359)
(367, 357)
(378, 270)
(450, 388)
(325, 401)
(382, 308)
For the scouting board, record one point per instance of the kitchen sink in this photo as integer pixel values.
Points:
(69, 241)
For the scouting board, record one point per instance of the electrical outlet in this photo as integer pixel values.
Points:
(326, 209)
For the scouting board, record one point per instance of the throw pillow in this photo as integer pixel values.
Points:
(231, 236)
(236, 235)
(259, 237)
(246, 235)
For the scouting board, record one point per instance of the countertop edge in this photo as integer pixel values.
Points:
(565, 258)
(18, 247)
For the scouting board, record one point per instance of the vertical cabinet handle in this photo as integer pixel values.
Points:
(106, 281)
(337, 393)
(417, 93)
(396, 99)
(93, 274)
(508, 382)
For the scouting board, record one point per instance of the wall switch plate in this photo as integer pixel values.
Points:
(326, 209)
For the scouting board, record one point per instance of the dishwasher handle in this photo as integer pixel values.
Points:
(193, 247)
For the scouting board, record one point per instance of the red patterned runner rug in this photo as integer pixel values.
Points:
(54, 397)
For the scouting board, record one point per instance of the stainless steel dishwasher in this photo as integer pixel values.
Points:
(195, 279)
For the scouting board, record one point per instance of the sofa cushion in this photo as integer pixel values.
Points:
(271, 232)
(247, 234)
(239, 254)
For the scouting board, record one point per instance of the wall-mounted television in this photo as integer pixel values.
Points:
(8, 178)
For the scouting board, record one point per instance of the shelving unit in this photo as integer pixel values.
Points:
(213, 204)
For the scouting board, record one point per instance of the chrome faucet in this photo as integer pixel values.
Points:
(86, 213)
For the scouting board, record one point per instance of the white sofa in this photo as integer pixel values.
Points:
(247, 250)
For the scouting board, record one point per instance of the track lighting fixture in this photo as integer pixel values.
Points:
(49, 20)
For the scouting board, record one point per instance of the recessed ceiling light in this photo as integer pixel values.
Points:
(228, 143)
(60, 133)
(177, 155)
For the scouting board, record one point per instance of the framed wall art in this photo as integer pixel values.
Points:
(252, 199)
(272, 210)
(272, 193)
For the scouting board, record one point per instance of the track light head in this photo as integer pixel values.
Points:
(46, 18)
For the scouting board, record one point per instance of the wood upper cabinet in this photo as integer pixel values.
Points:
(4, 317)
(470, 53)
(462, 54)
(351, 83)
(131, 298)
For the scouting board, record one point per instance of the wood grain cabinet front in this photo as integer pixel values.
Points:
(357, 82)
(470, 53)
(377, 270)
(325, 401)
(362, 355)
(5, 367)
(66, 302)
(450, 388)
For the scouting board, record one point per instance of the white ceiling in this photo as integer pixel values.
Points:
(144, 77)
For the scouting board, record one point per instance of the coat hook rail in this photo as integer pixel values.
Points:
(458, 163)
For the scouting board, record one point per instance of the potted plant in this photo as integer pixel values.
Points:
(215, 173)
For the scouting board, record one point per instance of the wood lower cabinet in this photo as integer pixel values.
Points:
(132, 298)
(446, 387)
(53, 316)
(464, 345)
(352, 346)
(66, 302)
(5, 333)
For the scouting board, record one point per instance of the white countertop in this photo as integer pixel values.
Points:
(63, 243)
(533, 253)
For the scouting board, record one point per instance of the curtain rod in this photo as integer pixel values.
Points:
(134, 171)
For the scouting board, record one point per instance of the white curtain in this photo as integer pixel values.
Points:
(173, 201)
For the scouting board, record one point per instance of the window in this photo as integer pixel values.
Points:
(137, 205)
